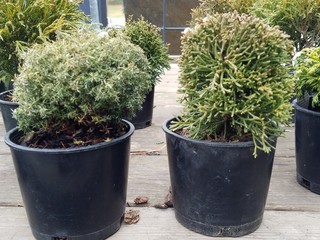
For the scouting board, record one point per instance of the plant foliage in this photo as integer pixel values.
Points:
(209, 7)
(24, 22)
(299, 19)
(115, 2)
(307, 74)
(148, 37)
(234, 81)
(82, 78)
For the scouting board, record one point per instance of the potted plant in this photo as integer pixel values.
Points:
(23, 23)
(235, 94)
(299, 19)
(307, 118)
(71, 149)
(147, 36)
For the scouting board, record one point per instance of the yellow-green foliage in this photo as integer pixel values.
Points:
(209, 7)
(24, 22)
(307, 75)
(148, 37)
(299, 19)
(234, 80)
(83, 78)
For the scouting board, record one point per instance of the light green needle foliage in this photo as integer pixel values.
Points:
(148, 37)
(24, 22)
(307, 74)
(299, 19)
(82, 77)
(209, 7)
(234, 80)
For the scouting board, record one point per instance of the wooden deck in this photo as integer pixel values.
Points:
(292, 212)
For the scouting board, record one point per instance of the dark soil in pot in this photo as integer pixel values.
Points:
(72, 134)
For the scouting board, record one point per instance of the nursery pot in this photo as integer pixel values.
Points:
(143, 117)
(218, 189)
(6, 110)
(76, 193)
(307, 139)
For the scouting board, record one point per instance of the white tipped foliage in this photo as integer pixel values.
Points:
(82, 78)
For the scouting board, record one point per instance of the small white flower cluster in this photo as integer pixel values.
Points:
(186, 30)
(196, 27)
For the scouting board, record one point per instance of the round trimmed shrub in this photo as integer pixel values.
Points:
(80, 78)
(235, 85)
(147, 36)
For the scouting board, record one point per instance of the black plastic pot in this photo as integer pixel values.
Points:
(218, 189)
(76, 193)
(6, 110)
(143, 117)
(307, 129)
(2, 87)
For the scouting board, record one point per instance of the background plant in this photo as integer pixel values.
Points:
(24, 22)
(234, 81)
(209, 7)
(307, 75)
(115, 2)
(148, 37)
(299, 19)
(80, 78)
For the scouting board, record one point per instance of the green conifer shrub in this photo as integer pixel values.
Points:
(81, 78)
(25, 22)
(148, 37)
(209, 7)
(307, 75)
(235, 84)
(299, 19)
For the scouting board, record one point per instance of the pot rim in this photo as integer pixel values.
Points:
(11, 144)
(165, 127)
(4, 102)
(304, 110)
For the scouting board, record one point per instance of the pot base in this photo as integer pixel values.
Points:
(102, 234)
(143, 117)
(218, 231)
(312, 186)
(142, 125)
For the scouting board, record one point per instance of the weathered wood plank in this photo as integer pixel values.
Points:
(148, 176)
(161, 224)
(9, 189)
(157, 224)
